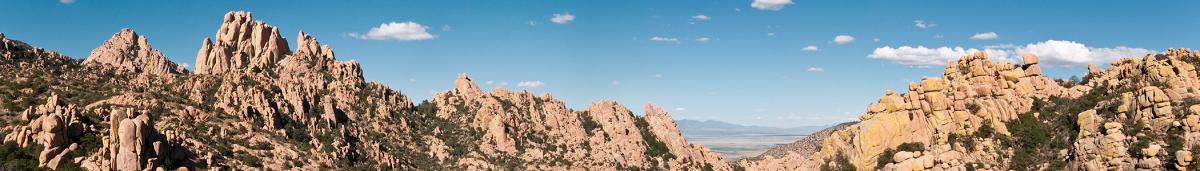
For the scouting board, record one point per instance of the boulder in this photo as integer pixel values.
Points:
(901, 156)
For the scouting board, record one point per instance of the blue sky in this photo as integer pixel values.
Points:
(754, 67)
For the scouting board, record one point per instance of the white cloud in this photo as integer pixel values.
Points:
(406, 31)
(773, 5)
(703, 39)
(615, 82)
(810, 48)
(664, 39)
(875, 40)
(938, 36)
(843, 39)
(701, 17)
(680, 109)
(563, 18)
(770, 34)
(922, 24)
(185, 65)
(815, 69)
(504, 83)
(531, 84)
(658, 75)
(531, 23)
(1050, 52)
(68, 2)
(985, 36)
(489, 82)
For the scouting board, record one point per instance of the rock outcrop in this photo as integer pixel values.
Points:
(129, 52)
(53, 126)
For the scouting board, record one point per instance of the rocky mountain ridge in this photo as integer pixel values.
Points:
(253, 103)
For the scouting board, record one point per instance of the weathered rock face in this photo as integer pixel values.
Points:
(129, 52)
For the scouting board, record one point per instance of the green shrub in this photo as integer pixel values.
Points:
(589, 124)
(655, 149)
(886, 157)
(841, 163)
(13, 157)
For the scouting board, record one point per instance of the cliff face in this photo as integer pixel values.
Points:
(255, 103)
(1136, 114)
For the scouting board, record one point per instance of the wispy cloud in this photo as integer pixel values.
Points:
(985, 36)
(923, 24)
(701, 17)
(562, 18)
(810, 48)
(664, 39)
(703, 39)
(843, 39)
(815, 69)
(406, 31)
(531, 84)
(772, 5)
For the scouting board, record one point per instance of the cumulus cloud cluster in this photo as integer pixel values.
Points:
(406, 31)
(1051, 52)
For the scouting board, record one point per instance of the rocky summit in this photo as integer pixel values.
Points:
(254, 103)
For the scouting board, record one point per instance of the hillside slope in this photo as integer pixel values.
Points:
(254, 103)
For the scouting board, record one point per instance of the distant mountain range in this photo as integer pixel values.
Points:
(718, 128)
